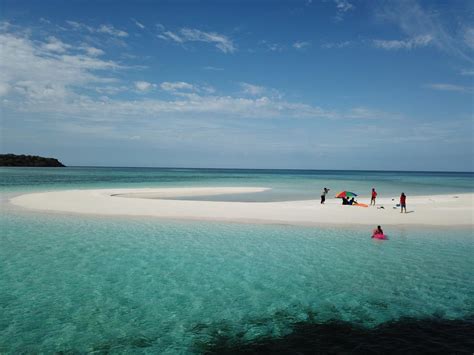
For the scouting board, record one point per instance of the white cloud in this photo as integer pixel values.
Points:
(111, 89)
(92, 51)
(79, 26)
(167, 35)
(111, 30)
(450, 87)
(139, 24)
(44, 20)
(175, 86)
(31, 69)
(65, 85)
(144, 85)
(55, 45)
(301, 44)
(184, 89)
(467, 72)
(251, 89)
(222, 42)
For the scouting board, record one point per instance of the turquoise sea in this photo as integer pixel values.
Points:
(86, 284)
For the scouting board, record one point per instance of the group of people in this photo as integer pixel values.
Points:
(403, 201)
(378, 232)
(346, 201)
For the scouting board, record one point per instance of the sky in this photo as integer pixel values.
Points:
(310, 84)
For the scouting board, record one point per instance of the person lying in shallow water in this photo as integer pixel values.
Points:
(376, 231)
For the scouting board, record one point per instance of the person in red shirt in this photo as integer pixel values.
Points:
(403, 202)
(374, 195)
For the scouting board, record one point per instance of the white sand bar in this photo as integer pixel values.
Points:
(435, 210)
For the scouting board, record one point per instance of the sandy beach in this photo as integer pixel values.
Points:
(434, 210)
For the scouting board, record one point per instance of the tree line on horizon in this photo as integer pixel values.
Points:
(28, 160)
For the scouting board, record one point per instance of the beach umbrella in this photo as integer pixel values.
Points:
(345, 194)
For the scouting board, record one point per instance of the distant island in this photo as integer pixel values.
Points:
(29, 160)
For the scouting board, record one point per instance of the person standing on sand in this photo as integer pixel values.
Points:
(324, 192)
(374, 196)
(403, 203)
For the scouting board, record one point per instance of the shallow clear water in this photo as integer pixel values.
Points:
(84, 284)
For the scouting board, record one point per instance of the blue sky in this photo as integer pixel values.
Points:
(321, 84)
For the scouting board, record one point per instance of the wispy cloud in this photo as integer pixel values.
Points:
(144, 86)
(253, 90)
(410, 43)
(220, 41)
(176, 86)
(450, 87)
(416, 21)
(272, 47)
(111, 30)
(92, 51)
(47, 70)
(343, 44)
(301, 45)
(182, 88)
(467, 72)
(342, 7)
(55, 45)
(469, 37)
(209, 67)
(103, 29)
(65, 85)
(168, 35)
(138, 24)
(368, 113)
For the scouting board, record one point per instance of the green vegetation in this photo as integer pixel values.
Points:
(28, 160)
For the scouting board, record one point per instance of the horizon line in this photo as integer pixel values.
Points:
(267, 169)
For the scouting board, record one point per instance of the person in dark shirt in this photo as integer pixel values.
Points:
(324, 192)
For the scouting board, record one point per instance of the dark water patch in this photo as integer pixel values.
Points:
(407, 336)
(122, 344)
